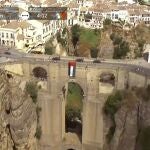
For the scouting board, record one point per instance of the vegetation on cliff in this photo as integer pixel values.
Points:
(127, 103)
(112, 105)
(49, 48)
(121, 47)
(73, 110)
(32, 90)
(74, 101)
(87, 40)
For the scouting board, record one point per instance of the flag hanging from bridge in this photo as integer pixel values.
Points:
(71, 68)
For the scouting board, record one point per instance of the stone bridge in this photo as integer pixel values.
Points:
(91, 78)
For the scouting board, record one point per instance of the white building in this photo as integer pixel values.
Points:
(15, 34)
(43, 30)
(145, 17)
(20, 3)
(127, 1)
(119, 14)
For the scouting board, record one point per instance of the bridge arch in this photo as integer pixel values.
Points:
(108, 78)
(73, 97)
(40, 73)
(107, 82)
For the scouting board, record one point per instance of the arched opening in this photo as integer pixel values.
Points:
(40, 73)
(106, 81)
(73, 95)
(107, 78)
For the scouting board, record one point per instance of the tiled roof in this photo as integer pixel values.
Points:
(35, 2)
(73, 4)
(50, 2)
(16, 24)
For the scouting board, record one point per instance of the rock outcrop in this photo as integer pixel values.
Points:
(17, 115)
(131, 118)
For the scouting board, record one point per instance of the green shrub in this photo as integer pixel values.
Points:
(107, 21)
(38, 110)
(75, 30)
(121, 47)
(121, 50)
(113, 103)
(38, 133)
(49, 50)
(111, 106)
(94, 52)
(32, 90)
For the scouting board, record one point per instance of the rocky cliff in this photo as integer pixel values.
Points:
(130, 124)
(17, 115)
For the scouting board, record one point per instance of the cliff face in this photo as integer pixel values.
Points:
(17, 115)
(131, 119)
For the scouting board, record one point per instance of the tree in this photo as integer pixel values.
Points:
(121, 50)
(94, 52)
(49, 50)
(64, 31)
(141, 43)
(121, 47)
(75, 30)
(107, 21)
(61, 40)
(113, 103)
(111, 106)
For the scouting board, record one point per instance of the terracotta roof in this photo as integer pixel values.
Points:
(73, 4)
(35, 2)
(15, 25)
(50, 2)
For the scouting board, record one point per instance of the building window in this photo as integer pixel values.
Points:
(3, 42)
(27, 41)
(11, 35)
(2, 34)
(43, 31)
(116, 16)
(6, 35)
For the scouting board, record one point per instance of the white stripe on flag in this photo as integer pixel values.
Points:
(71, 71)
